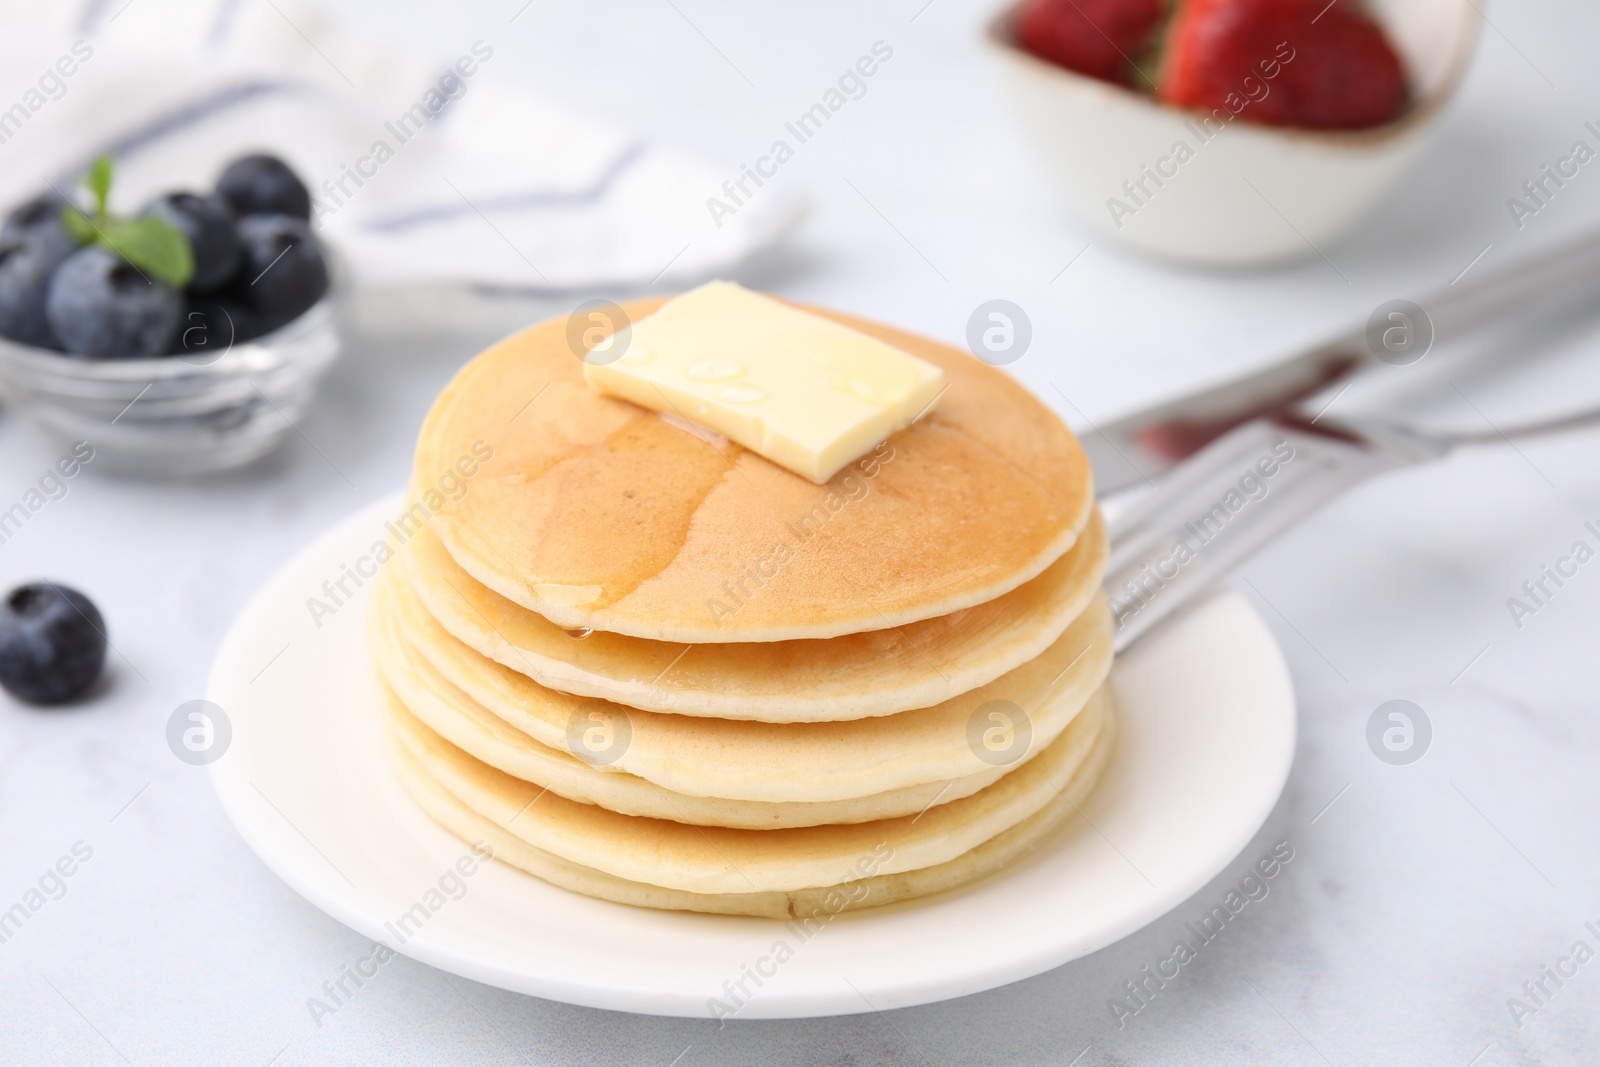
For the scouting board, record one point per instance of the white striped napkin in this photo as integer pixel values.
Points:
(422, 169)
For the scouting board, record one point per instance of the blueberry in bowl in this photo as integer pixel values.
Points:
(283, 272)
(208, 224)
(214, 322)
(184, 339)
(264, 185)
(39, 216)
(29, 258)
(52, 643)
(101, 305)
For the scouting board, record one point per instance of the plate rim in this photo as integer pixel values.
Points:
(641, 997)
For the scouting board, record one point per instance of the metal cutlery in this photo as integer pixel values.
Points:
(1246, 488)
(1139, 448)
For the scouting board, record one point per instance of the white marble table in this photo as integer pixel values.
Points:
(1420, 898)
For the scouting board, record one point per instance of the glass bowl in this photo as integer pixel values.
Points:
(217, 407)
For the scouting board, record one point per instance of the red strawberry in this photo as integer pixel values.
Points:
(1100, 38)
(1319, 64)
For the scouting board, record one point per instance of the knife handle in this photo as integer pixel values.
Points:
(1135, 449)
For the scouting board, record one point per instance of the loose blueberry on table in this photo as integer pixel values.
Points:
(192, 274)
(52, 643)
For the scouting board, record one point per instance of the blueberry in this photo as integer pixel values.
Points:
(213, 324)
(264, 185)
(27, 263)
(282, 272)
(101, 305)
(206, 222)
(52, 643)
(41, 214)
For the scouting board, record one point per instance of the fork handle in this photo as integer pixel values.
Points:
(1230, 500)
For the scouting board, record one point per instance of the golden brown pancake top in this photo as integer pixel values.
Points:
(597, 513)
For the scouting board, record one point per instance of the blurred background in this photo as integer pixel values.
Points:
(578, 165)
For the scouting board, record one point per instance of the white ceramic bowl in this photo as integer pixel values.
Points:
(1250, 194)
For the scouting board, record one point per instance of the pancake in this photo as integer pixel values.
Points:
(430, 698)
(810, 906)
(600, 514)
(875, 672)
(774, 762)
(717, 860)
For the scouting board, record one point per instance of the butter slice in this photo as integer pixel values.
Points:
(801, 390)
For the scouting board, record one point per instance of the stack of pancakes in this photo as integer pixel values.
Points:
(648, 665)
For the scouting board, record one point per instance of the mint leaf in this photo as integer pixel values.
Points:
(77, 225)
(98, 182)
(153, 246)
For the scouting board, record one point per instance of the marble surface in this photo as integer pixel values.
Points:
(1421, 897)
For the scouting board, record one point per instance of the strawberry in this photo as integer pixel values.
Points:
(1309, 63)
(1100, 38)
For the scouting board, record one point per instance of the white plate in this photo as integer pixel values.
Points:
(1207, 734)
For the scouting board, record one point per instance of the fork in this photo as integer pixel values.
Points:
(1250, 486)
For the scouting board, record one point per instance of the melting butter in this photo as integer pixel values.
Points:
(807, 393)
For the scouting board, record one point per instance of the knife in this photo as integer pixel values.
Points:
(1137, 449)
